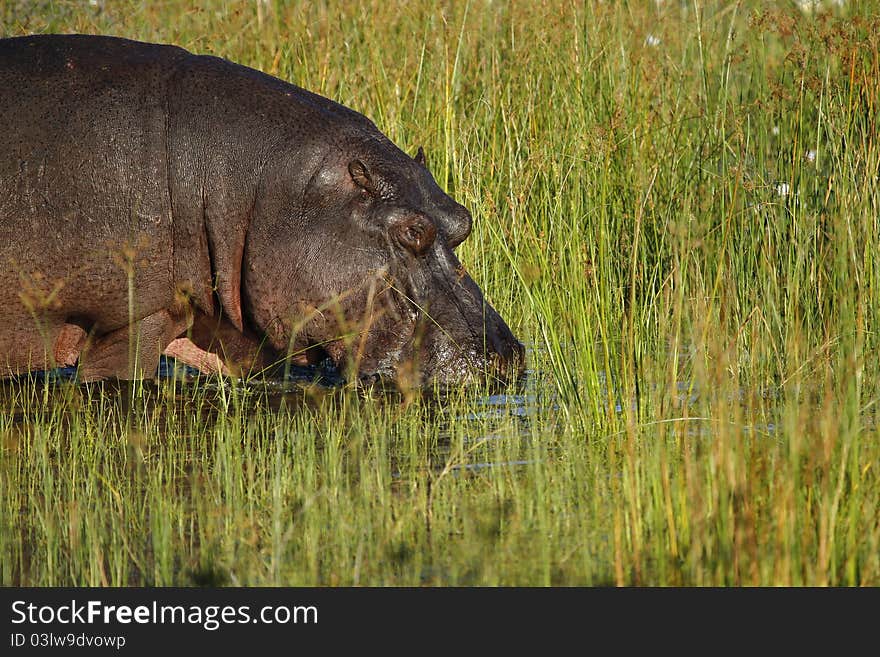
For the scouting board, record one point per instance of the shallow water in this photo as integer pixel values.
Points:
(520, 399)
(513, 416)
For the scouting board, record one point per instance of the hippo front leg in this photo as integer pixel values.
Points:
(113, 356)
(215, 346)
(183, 350)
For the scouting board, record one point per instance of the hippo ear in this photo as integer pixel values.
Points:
(420, 157)
(360, 174)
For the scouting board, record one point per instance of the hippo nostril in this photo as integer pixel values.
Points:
(519, 352)
(517, 360)
(506, 360)
(495, 365)
(499, 365)
(504, 355)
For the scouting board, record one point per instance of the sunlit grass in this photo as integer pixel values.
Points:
(676, 208)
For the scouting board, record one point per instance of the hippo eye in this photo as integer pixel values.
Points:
(416, 233)
(361, 176)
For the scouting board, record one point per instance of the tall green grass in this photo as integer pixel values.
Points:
(676, 208)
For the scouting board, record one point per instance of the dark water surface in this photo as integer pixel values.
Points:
(473, 419)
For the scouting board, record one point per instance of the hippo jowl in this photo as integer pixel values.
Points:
(150, 196)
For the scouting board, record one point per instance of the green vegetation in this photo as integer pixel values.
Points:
(676, 208)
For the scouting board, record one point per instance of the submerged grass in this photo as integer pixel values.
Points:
(676, 208)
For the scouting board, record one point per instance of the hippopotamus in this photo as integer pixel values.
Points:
(154, 200)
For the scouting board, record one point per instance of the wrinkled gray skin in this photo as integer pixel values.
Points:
(205, 199)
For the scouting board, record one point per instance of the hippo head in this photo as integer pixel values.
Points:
(352, 256)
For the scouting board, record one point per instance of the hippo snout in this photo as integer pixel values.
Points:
(473, 344)
(505, 357)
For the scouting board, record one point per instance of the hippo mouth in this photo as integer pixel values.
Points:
(473, 367)
(456, 338)
(425, 355)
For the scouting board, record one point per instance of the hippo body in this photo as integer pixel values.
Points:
(150, 195)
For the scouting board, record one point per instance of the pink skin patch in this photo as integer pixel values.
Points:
(204, 361)
(68, 345)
